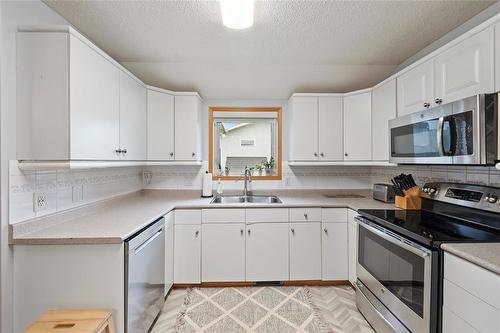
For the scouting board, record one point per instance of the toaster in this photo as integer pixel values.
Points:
(383, 192)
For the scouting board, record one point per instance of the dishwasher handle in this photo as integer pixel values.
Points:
(148, 241)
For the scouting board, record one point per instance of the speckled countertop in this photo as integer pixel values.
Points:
(114, 220)
(486, 255)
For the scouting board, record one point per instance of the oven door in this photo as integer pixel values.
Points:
(398, 272)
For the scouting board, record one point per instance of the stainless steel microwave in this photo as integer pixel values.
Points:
(462, 132)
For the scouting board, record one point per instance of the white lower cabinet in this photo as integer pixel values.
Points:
(267, 252)
(223, 252)
(352, 229)
(334, 251)
(187, 253)
(169, 251)
(305, 251)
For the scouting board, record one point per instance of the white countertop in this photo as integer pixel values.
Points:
(114, 220)
(486, 255)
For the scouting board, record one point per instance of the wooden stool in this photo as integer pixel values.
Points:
(74, 321)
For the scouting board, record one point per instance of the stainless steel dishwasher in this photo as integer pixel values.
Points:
(144, 277)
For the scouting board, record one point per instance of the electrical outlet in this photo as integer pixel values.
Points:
(39, 201)
(287, 181)
(77, 193)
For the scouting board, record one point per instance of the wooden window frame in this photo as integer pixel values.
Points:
(213, 109)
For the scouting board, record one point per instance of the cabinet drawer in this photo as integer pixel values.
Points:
(266, 215)
(466, 275)
(334, 215)
(187, 216)
(305, 214)
(479, 314)
(228, 215)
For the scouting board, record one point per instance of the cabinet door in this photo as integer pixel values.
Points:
(352, 229)
(466, 69)
(330, 122)
(334, 251)
(305, 251)
(169, 251)
(187, 128)
(416, 89)
(94, 104)
(187, 254)
(267, 252)
(133, 118)
(383, 109)
(357, 127)
(497, 57)
(223, 252)
(160, 126)
(304, 129)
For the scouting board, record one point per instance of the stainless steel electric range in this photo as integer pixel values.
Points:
(400, 263)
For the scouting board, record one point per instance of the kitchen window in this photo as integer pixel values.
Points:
(245, 137)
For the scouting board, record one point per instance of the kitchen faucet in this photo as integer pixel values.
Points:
(248, 179)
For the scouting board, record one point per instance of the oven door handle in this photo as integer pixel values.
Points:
(439, 134)
(401, 242)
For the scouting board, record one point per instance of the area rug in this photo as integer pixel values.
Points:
(252, 309)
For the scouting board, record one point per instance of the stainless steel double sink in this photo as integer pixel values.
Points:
(258, 199)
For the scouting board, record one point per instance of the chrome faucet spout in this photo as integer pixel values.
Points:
(248, 179)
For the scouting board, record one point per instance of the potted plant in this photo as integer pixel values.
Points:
(258, 169)
(269, 165)
(226, 170)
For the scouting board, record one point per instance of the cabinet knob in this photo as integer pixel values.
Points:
(196, 233)
(321, 154)
(325, 230)
(315, 154)
(305, 216)
(171, 154)
(427, 105)
(193, 154)
(118, 151)
(438, 101)
(346, 154)
(241, 231)
(248, 232)
(293, 231)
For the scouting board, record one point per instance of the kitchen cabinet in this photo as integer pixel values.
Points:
(188, 109)
(465, 69)
(267, 256)
(305, 251)
(334, 250)
(187, 253)
(352, 230)
(223, 252)
(497, 56)
(169, 251)
(415, 89)
(357, 127)
(160, 126)
(316, 127)
(383, 110)
(133, 119)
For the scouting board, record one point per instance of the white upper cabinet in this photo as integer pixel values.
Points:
(188, 110)
(415, 89)
(304, 129)
(357, 127)
(133, 118)
(383, 109)
(330, 127)
(160, 126)
(94, 104)
(465, 69)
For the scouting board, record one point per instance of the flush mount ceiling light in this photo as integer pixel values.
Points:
(237, 14)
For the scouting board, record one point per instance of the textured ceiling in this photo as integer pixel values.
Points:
(294, 46)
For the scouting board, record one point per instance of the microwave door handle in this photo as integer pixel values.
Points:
(439, 134)
(453, 136)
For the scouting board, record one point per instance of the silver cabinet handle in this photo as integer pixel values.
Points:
(196, 233)
(193, 154)
(171, 154)
(293, 231)
(346, 154)
(325, 230)
(321, 154)
(241, 231)
(427, 105)
(248, 232)
(124, 151)
(305, 216)
(315, 154)
(438, 101)
(118, 151)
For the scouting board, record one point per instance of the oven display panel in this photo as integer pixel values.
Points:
(466, 195)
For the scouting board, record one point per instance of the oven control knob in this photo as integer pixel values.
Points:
(432, 190)
(425, 190)
(491, 198)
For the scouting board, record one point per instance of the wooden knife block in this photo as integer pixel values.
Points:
(411, 200)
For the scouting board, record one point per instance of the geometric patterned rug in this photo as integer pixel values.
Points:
(261, 309)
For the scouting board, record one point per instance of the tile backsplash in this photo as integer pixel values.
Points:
(65, 189)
